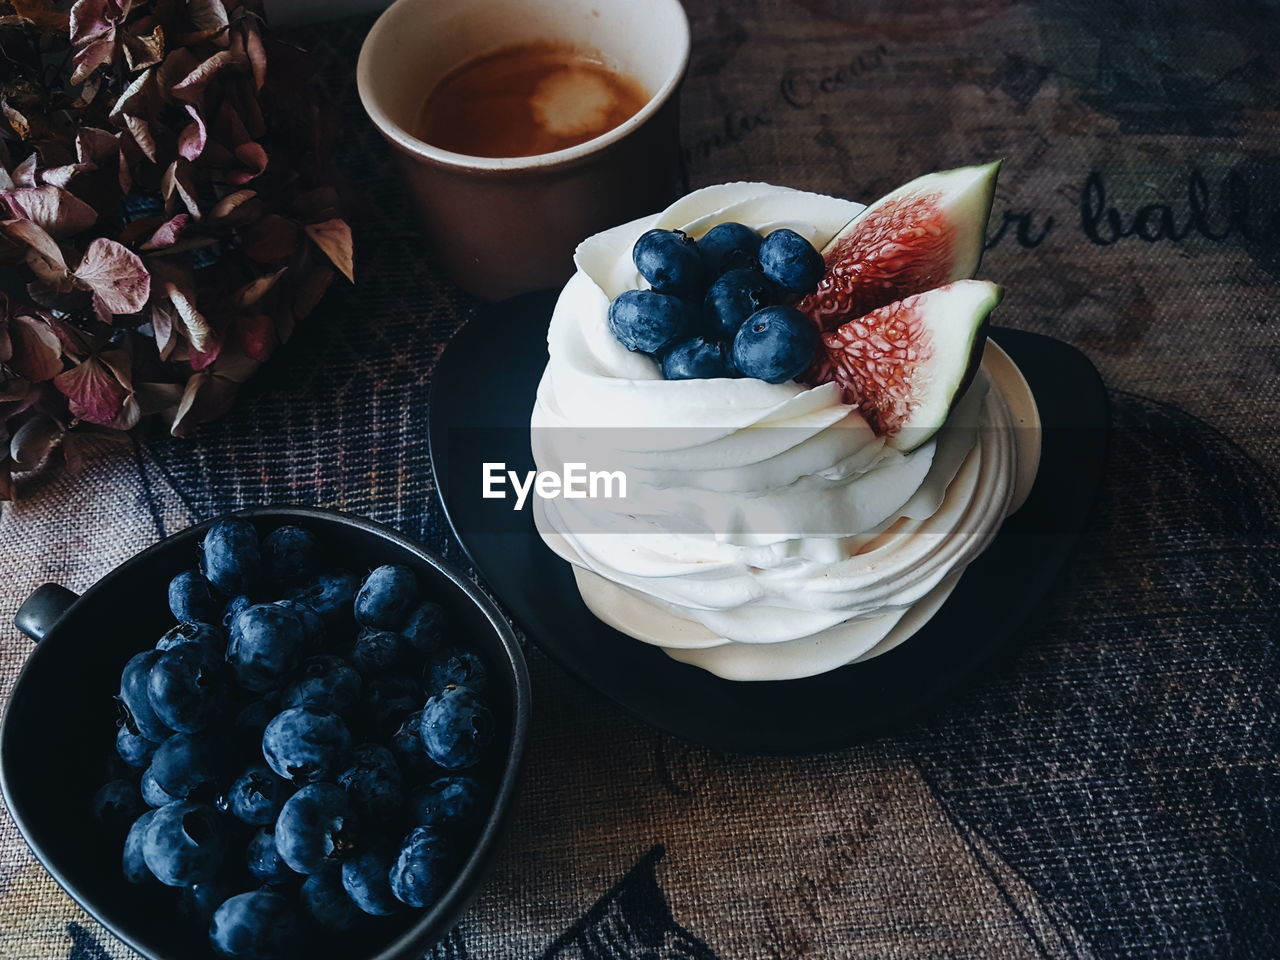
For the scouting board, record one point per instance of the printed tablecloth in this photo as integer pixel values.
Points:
(1112, 788)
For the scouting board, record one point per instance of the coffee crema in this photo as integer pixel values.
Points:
(528, 99)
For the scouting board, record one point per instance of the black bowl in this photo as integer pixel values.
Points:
(58, 727)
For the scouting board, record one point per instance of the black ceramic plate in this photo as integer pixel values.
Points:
(481, 399)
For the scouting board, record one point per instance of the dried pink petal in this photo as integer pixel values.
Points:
(60, 213)
(91, 56)
(168, 233)
(257, 334)
(193, 137)
(92, 391)
(117, 277)
(91, 19)
(252, 156)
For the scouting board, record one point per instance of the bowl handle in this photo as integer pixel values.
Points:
(42, 610)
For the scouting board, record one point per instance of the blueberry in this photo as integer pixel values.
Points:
(193, 631)
(649, 322)
(424, 630)
(734, 297)
(266, 641)
(304, 744)
(290, 554)
(315, 635)
(191, 598)
(728, 246)
(670, 261)
(133, 748)
(324, 898)
(185, 764)
(132, 862)
(315, 828)
(152, 793)
(387, 701)
(454, 802)
(376, 651)
(461, 668)
(254, 717)
(421, 870)
(189, 687)
(790, 261)
(367, 880)
(229, 556)
(407, 744)
(373, 783)
(184, 843)
(135, 700)
(255, 926)
(386, 597)
(325, 682)
(117, 804)
(456, 727)
(697, 359)
(257, 796)
(235, 606)
(776, 344)
(263, 859)
(200, 900)
(331, 594)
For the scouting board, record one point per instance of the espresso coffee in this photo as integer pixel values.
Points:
(525, 100)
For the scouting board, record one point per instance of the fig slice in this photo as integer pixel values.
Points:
(906, 364)
(926, 233)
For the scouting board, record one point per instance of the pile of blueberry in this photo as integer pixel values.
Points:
(721, 306)
(303, 748)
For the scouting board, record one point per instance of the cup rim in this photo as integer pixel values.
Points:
(539, 161)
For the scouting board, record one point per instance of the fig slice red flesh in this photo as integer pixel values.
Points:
(925, 234)
(905, 364)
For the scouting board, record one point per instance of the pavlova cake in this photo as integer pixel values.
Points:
(794, 388)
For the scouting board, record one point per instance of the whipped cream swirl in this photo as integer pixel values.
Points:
(779, 537)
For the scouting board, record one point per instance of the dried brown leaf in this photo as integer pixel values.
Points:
(144, 49)
(271, 239)
(255, 290)
(191, 87)
(311, 289)
(18, 121)
(334, 238)
(229, 203)
(37, 351)
(34, 441)
(178, 185)
(60, 213)
(140, 130)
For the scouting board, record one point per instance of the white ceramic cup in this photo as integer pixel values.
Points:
(506, 225)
